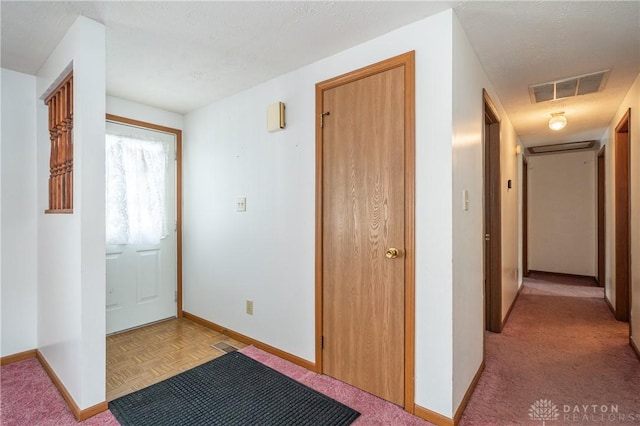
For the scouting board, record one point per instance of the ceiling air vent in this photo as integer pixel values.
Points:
(562, 147)
(568, 87)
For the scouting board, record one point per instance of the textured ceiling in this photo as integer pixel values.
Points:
(525, 43)
(179, 56)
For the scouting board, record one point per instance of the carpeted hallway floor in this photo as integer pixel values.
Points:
(562, 358)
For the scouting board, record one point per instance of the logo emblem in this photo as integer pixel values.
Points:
(544, 410)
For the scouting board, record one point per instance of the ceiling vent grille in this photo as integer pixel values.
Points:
(569, 87)
(562, 147)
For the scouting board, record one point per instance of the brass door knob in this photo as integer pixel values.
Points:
(392, 253)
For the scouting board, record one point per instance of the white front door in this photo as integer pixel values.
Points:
(141, 242)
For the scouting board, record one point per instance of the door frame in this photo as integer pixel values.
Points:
(178, 135)
(493, 215)
(525, 216)
(622, 217)
(602, 227)
(408, 61)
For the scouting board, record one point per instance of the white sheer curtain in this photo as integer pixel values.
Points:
(135, 190)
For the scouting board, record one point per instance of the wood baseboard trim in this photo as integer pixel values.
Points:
(634, 347)
(20, 356)
(432, 416)
(611, 308)
(250, 341)
(92, 411)
(515, 299)
(562, 274)
(439, 419)
(470, 389)
(79, 414)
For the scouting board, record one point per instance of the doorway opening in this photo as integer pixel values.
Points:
(492, 217)
(622, 218)
(525, 216)
(602, 231)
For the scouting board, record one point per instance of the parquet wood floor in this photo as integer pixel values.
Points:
(144, 356)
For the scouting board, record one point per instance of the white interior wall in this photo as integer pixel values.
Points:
(631, 100)
(71, 266)
(136, 111)
(19, 240)
(469, 79)
(511, 218)
(562, 213)
(468, 321)
(267, 253)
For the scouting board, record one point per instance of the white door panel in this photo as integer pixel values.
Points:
(114, 274)
(141, 278)
(148, 262)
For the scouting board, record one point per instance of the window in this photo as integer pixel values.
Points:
(60, 104)
(135, 190)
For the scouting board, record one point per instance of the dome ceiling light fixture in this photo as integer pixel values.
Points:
(557, 121)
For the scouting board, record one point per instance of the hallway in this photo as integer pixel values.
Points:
(561, 356)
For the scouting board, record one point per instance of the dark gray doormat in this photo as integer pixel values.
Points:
(228, 391)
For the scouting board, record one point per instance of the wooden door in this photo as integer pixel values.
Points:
(622, 206)
(525, 217)
(364, 200)
(601, 220)
(492, 219)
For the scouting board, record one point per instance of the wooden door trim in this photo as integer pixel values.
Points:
(525, 216)
(178, 135)
(491, 111)
(406, 60)
(493, 202)
(622, 234)
(601, 217)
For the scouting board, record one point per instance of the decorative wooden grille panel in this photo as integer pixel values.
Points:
(60, 104)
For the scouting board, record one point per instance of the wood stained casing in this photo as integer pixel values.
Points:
(60, 105)
(601, 219)
(492, 217)
(525, 217)
(178, 136)
(622, 234)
